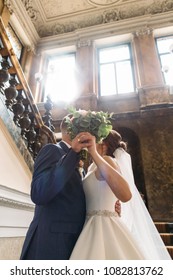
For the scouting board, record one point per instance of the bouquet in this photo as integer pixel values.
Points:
(96, 123)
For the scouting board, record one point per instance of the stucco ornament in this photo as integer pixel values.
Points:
(103, 2)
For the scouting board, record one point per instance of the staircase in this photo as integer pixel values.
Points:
(166, 232)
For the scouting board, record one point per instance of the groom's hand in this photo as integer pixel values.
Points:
(83, 140)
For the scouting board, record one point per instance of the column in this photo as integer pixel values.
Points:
(85, 61)
(151, 87)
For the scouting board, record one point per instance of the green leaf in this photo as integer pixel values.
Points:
(97, 123)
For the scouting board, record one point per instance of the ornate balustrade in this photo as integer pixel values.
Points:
(35, 130)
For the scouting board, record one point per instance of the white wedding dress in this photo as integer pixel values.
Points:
(104, 235)
(107, 236)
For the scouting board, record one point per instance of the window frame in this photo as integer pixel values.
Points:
(131, 60)
(48, 58)
(160, 54)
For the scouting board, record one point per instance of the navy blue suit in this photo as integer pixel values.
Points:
(60, 210)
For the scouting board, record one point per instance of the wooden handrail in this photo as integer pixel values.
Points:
(16, 69)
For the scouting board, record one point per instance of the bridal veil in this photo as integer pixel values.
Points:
(136, 216)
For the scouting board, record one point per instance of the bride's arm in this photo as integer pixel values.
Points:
(107, 168)
(109, 171)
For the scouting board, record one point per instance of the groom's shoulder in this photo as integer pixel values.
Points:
(50, 146)
(48, 149)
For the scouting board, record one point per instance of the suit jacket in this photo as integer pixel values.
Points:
(60, 210)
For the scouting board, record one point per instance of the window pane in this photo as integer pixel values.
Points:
(116, 75)
(107, 79)
(114, 54)
(167, 66)
(61, 79)
(124, 77)
(164, 44)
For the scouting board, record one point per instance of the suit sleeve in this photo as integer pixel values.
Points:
(52, 171)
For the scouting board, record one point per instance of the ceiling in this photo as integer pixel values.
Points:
(54, 17)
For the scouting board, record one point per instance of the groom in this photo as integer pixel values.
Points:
(57, 191)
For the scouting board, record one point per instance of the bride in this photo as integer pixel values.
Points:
(105, 235)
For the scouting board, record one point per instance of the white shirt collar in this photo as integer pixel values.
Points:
(68, 145)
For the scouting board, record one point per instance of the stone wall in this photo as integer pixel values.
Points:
(156, 136)
(11, 248)
(149, 134)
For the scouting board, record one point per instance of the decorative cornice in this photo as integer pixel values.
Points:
(103, 3)
(9, 6)
(30, 10)
(118, 11)
(143, 31)
(21, 20)
(31, 49)
(83, 43)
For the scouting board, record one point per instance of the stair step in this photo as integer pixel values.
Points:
(167, 238)
(170, 250)
(164, 227)
(166, 232)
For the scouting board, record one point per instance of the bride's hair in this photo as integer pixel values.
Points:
(114, 141)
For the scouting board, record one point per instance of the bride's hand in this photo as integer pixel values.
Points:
(91, 144)
(100, 149)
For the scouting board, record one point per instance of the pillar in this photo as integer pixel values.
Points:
(150, 82)
(85, 61)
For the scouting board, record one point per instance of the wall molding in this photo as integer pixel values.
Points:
(15, 204)
(13, 195)
(16, 212)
